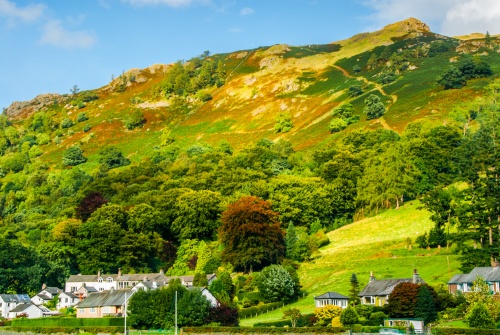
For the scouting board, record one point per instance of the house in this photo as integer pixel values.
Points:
(103, 282)
(46, 295)
(10, 301)
(105, 303)
(67, 299)
(417, 324)
(207, 294)
(331, 298)
(84, 291)
(463, 282)
(376, 292)
(147, 286)
(29, 309)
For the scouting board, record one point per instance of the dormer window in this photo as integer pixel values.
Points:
(109, 280)
(100, 280)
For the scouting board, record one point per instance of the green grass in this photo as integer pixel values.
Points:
(377, 244)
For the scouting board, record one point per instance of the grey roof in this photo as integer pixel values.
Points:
(105, 298)
(490, 274)
(70, 294)
(331, 295)
(43, 296)
(384, 287)
(81, 278)
(15, 297)
(21, 307)
(52, 290)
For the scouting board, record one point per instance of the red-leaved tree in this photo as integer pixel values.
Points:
(251, 234)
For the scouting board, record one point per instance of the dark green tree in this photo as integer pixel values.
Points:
(354, 290)
(479, 317)
(111, 157)
(291, 241)
(73, 156)
(451, 78)
(276, 284)
(374, 108)
(425, 307)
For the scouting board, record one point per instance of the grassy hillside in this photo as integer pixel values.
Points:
(377, 244)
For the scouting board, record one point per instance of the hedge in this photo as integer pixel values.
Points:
(464, 331)
(303, 321)
(68, 322)
(256, 310)
(261, 330)
(64, 330)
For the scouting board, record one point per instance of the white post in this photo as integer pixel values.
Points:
(175, 313)
(125, 314)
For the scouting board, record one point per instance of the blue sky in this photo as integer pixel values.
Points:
(49, 46)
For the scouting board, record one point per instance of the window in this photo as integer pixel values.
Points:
(101, 288)
(92, 310)
(73, 289)
(82, 310)
(100, 280)
(109, 280)
(65, 299)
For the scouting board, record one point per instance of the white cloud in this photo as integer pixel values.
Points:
(29, 13)
(246, 11)
(449, 17)
(170, 3)
(56, 35)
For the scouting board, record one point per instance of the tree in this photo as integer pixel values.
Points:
(74, 90)
(198, 215)
(276, 284)
(66, 123)
(251, 234)
(354, 91)
(336, 125)
(224, 315)
(82, 117)
(73, 156)
(193, 308)
(293, 314)
(291, 241)
(134, 119)
(479, 317)
(349, 316)
(425, 307)
(284, 123)
(402, 300)
(374, 108)
(354, 290)
(326, 313)
(111, 157)
(452, 78)
(372, 62)
(89, 204)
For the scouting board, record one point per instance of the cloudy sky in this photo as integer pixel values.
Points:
(51, 45)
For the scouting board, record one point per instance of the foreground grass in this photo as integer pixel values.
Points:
(380, 244)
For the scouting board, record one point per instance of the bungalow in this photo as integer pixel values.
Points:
(331, 298)
(67, 299)
(463, 282)
(30, 310)
(46, 295)
(104, 303)
(376, 292)
(10, 301)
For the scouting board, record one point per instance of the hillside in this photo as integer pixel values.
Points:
(137, 175)
(377, 244)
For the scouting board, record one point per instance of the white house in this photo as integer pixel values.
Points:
(46, 295)
(31, 310)
(10, 301)
(331, 298)
(66, 299)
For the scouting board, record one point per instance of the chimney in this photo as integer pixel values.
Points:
(372, 277)
(44, 286)
(416, 278)
(98, 274)
(495, 263)
(161, 272)
(119, 272)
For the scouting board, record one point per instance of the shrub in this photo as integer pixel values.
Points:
(374, 108)
(284, 123)
(337, 125)
(81, 117)
(134, 119)
(87, 127)
(73, 156)
(66, 123)
(349, 316)
(354, 91)
(112, 158)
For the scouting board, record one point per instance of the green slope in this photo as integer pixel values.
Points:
(377, 244)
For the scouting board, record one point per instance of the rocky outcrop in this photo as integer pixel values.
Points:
(24, 108)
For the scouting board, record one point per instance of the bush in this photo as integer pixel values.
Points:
(337, 125)
(134, 120)
(354, 91)
(256, 310)
(73, 156)
(112, 158)
(81, 117)
(66, 123)
(87, 127)
(284, 123)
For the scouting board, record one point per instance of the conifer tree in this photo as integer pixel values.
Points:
(354, 290)
(291, 242)
(425, 308)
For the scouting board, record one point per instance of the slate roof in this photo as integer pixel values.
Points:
(490, 274)
(105, 298)
(384, 287)
(15, 297)
(70, 295)
(331, 295)
(81, 278)
(52, 290)
(43, 296)
(21, 307)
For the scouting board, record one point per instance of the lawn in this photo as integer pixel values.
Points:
(380, 244)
